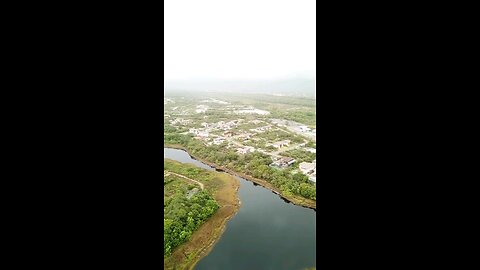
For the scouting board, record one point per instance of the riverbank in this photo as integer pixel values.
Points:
(297, 200)
(225, 192)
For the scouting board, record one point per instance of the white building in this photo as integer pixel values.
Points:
(218, 141)
(313, 178)
(307, 168)
(202, 134)
(303, 128)
(252, 111)
(201, 109)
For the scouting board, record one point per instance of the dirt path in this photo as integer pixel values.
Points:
(295, 199)
(202, 241)
(184, 177)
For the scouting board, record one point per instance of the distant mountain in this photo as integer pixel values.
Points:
(291, 87)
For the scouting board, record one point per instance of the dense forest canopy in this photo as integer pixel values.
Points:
(182, 215)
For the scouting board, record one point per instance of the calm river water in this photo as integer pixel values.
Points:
(266, 233)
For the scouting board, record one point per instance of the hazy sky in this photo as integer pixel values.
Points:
(239, 39)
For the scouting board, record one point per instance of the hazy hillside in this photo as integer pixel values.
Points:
(291, 87)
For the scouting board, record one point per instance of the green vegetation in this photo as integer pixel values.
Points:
(302, 110)
(254, 164)
(173, 138)
(182, 215)
(311, 144)
(194, 218)
(300, 155)
(279, 135)
(181, 106)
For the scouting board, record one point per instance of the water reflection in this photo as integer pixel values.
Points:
(266, 233)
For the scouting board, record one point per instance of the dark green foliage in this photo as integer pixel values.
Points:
(279, 135)
(307, 118)
(300, 155)
(311, 144)
(182, 216)
(255, 164)
(174, 138)
(169, 128)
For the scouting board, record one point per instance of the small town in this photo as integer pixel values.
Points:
(246, 129)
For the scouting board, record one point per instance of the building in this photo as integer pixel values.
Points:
(246, 149)
(252, 111)
(283, 162)
(201, 109)
(260, 129)
(303, 128)
(313, 178)
(203, 134)
(218, 141)
(307, 167)
(244, 136)
(228, 134)
(281, 144)
(199, 133)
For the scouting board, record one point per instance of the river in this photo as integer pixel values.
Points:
(266, 233)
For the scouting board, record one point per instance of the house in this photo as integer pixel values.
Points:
(245, 150)
(283, 162)
(218, 141)
(201, 109)
(180, 121)
(252, 111)
(313, 178)
(202, 134)
(244, 137)
(281, 144)
(303, 128)
(260, 129)
(228, 134)
(307, 167)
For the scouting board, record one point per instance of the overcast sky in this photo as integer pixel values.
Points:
(239, 39)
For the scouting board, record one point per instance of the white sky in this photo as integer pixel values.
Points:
(240, 39)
